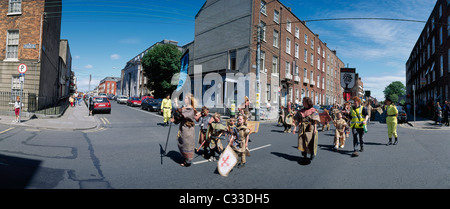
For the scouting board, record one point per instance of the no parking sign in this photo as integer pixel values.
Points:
(22, 68)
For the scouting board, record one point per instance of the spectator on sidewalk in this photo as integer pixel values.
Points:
(17, 106)
(71, 101)
(446, 110)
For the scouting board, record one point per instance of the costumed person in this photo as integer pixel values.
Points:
(391, 120)
(239, 140)
(341, 125)
(204, 124)
(218, 130)
(307, 119)
(288, 120)
(346, 115)
(166, 109)
(281, 116)
(186, 116)
(326, 125)
(359, 116)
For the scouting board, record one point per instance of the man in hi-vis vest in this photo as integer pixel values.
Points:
(359, 116)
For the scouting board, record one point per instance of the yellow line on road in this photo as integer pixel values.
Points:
(9, 129)
(106, 119)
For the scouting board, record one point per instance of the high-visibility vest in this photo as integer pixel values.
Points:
(357, 118)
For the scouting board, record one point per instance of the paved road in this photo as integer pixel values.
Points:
(125, 153)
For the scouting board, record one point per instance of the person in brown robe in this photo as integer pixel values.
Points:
(307, 119)
(186, 131)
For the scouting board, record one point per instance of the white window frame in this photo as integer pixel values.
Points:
(276, 36)
(288, 45)
(8, 44)
(14, 7)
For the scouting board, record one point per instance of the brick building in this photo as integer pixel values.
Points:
(30, 34)
(428, 67)
(294, 63)
(108, 86)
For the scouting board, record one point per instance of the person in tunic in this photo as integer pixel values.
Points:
(307, 119)
(341, 125)
(288, 120)
(239, 140)
(391, 120)
(204, 124)
(186, 116)
(218, 130)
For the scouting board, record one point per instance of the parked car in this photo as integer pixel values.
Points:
(102, 95)
(152, 105)
(402, 116)
(145, 97)
(134, 101)
(102, 104)
(122, 99)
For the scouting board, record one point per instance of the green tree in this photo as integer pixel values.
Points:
(394, 90)
(160, 64)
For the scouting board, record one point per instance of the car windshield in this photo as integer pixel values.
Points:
(399, 108)
(100, 100)
(134, 98)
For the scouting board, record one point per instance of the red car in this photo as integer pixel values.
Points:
(134, 101)
(102, 104)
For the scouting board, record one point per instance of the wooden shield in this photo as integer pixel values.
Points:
(253, 126)
(228, 159)
(324, 118)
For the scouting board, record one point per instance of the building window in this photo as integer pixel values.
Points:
(288, 45)
(306, 39)
(263, 7)
(274, 65)
(262, 63)
(296, 50)
(15, 7)
(288, 26)
(232, 62)
(305, 56)
(312, 59)
(288, 68)
(297, 32)
(268, 94)
(275, 38)
(312, 45)
(12, 48)
(276, 16)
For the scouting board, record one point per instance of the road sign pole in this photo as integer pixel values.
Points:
(22, 79)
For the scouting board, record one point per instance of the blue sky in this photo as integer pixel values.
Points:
(104, 35)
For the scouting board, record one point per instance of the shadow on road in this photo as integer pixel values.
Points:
(298, 159)
(16, 173)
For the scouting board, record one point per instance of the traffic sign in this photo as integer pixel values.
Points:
(22, 68)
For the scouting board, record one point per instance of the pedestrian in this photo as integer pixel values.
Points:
(359, 116)
(391, 120)
(446, 110)
(204, 124)
(91, 105)
(307, 119)
(186, 116)
(339, 137)
(288, 120)
(166, 109)
(71, 101)
(217, 130)
(17, 105)
(438, 113)
(239, 139)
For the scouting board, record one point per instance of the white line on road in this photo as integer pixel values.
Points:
(154, 114)
(254, 149)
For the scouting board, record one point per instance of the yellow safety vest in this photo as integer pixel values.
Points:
(357, 118)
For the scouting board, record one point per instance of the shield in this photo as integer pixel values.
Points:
(324, 118)
(228, 159)
(253, 126)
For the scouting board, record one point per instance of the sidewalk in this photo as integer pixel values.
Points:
(74, 118)
(424, 124)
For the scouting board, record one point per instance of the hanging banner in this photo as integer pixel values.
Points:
(183, 70)
(348, 78)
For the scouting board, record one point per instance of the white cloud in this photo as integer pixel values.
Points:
(77, 57)
(115, 57)
(89, 66)
(83, 83)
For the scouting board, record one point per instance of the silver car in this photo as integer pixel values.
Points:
(122, 99)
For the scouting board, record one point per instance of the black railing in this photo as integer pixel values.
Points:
(33, 103)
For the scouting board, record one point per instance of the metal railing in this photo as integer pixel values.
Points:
(33, 103)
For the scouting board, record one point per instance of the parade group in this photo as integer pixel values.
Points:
(352, 118)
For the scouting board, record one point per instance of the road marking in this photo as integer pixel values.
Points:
(106, 119)
(254, 149)
(154, 114)
(103, 121)
(9, 129)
